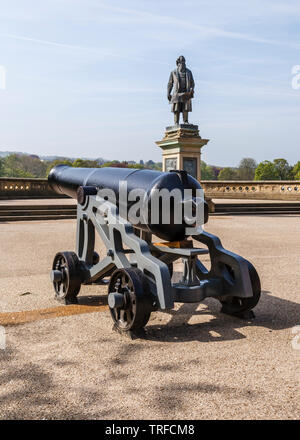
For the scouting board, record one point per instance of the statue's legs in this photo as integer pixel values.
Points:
(185, 116)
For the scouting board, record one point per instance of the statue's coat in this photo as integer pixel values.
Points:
(174, 84)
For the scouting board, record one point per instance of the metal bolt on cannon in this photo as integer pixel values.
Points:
(138, 266)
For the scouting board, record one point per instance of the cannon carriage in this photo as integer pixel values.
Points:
(137, 264)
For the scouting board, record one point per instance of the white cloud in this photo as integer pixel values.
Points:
(204, 31)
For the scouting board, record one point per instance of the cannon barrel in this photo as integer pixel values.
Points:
(67, 180)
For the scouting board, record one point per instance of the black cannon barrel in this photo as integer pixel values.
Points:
(67, 180)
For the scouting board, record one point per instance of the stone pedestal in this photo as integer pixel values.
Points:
(182, 149)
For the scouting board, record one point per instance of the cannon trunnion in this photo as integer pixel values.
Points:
(139, 268)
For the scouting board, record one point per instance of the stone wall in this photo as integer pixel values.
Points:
(263, 189)
(25, 188)
(18, 188)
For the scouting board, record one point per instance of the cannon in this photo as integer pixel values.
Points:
(140, 252)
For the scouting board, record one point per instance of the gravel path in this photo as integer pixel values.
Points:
(194, 362)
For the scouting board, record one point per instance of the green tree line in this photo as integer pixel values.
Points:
(19, 165)
(248, 169)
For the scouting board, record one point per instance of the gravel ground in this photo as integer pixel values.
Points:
(66, 362)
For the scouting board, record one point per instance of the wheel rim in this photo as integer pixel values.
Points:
(61, 287)
(124, 317)
(234, 304)
(136, 306)
(66, 279)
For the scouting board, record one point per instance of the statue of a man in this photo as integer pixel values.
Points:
(182, 82)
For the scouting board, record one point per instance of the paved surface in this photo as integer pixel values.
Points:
(66, 362)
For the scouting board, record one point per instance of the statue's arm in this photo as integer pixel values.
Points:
(170, 86)
(192, 83)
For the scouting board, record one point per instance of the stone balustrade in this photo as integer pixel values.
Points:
(14, 188)
(248, 189)
(22, 188)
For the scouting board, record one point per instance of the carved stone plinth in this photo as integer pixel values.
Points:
(181, 147)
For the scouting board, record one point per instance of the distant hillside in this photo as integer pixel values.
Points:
(49, 158)
(7, 153)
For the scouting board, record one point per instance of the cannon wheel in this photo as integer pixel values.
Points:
(66, 277)
(235, 305)
(129, 299)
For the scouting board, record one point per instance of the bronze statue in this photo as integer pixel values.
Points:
(182, 82)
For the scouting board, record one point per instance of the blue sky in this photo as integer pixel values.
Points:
(88, 77)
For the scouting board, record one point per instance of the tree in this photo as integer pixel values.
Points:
(296, 171)
(228, 174)
(100, 161)
(283, 168)
(266, 170)
(82, 163)
(55, 162)
(150, 164)
(247, 167)
(15, 166)
(33, 165)
(216, 171)
(206, 172)
(115, 164)
(134, 165)
(1, 166)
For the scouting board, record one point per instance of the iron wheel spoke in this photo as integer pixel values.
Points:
(135, 311)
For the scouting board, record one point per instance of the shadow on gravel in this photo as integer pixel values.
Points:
(29, 392)
(184, 390)
(272, 312)
(27, 383)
